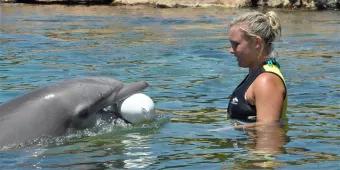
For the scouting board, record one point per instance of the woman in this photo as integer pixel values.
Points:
(261, 97)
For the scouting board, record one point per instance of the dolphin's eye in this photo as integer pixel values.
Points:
(84, 114)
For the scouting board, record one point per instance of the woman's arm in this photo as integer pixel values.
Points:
(269, 94)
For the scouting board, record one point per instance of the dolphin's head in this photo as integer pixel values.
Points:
(51, 110)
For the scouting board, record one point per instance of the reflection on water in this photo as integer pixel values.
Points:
(182, 54)
(137, 150)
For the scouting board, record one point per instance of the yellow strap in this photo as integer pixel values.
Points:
(273, 69)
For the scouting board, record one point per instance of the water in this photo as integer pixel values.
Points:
(183, 54)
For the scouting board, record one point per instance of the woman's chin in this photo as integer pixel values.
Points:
(241, 65)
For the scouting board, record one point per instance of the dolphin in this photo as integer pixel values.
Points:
(51, 110)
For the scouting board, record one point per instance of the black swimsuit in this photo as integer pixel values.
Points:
(238, 107)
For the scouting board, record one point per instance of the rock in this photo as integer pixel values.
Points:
(186, 3)
(278, 3)
(327, 4)
(309, 4)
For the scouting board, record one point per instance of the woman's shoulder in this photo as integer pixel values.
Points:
(272, 66)
(267, 84)
(267, 78)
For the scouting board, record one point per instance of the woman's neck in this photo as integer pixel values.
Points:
(258, 64)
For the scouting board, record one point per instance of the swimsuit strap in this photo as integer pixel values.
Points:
(271, 61)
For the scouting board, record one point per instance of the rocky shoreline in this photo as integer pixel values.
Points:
(293, 4)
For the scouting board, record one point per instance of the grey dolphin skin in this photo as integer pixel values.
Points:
(51, 110)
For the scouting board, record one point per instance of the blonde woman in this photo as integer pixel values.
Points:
(261, 98)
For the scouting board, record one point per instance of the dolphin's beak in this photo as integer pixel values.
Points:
(131, 89)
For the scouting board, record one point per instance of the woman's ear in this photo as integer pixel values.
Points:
(258, 42)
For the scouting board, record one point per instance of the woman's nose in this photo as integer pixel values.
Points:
(231, 50)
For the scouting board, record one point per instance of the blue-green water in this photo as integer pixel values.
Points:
(183, 54)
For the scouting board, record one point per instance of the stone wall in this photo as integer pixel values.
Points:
(309, 4)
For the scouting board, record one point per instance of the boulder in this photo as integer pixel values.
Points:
(309, 4)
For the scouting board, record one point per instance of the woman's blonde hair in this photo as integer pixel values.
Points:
(267, 26)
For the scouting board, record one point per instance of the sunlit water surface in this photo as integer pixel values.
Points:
(183, 54)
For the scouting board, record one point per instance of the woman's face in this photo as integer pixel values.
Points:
(242, 47)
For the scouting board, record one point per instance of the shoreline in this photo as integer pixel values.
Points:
(284, 4)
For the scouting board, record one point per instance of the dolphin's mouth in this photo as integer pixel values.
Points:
(111, 113)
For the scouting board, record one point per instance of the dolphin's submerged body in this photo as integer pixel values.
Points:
(51, 110)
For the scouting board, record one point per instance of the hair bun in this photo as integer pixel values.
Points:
(274, 21)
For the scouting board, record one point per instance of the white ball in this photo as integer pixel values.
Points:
(137, 108)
